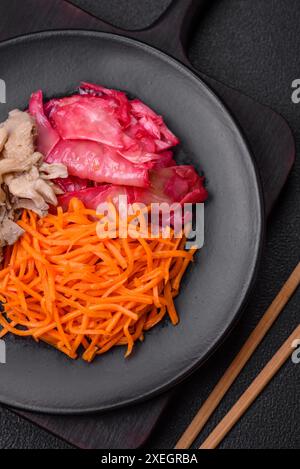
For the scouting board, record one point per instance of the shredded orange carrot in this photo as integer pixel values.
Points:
(64, 285)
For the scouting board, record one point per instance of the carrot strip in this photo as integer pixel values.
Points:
(170, 305)
(177, 281)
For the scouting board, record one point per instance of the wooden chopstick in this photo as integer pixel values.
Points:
(251, 393)
(240, 361)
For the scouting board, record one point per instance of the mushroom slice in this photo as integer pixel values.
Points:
(21, 131)
(46, 191)
(9, 232)
(29, 205)
(25, 187)
(31, 186)
(13, 165)
(53, 171)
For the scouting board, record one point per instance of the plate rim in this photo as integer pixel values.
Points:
(258, 246)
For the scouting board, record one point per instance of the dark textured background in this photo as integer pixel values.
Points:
(253, 45)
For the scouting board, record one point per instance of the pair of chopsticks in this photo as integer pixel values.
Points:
(257, 386)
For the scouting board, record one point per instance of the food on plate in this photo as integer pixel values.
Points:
(25, 179)
(62, 285)
(61, 282)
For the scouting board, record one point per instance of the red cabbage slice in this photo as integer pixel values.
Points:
(99, 163)
(165, 161)
(174, 184)
(73, 183)
(154, 125)
(117, 99)
(47, 136)
(148, 132)
(88, 118)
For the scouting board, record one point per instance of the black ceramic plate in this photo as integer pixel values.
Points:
(37, 377)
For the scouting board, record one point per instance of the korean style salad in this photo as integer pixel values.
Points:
(60, 282)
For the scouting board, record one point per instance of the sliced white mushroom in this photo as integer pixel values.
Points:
(29, 205)
(21, 131)
(53, 171)
(14, 165)
(10, 232)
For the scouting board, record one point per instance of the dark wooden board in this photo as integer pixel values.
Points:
(269, 138)
(127, 428)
